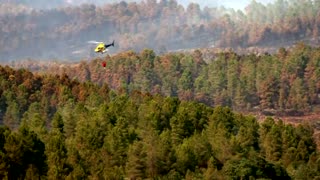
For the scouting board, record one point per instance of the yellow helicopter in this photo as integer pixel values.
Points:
(101, 47)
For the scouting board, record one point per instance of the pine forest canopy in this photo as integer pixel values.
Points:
(157, 114)
(285, 83)
(58, 128)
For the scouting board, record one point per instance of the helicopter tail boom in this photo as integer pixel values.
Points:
(108, 45)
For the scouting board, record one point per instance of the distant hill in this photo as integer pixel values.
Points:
(164, 26)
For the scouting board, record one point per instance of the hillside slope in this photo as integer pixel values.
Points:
(63, 129)
(286, 83)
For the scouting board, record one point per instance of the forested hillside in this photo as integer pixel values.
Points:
(60, 128)
(285, 83)
(164, 25)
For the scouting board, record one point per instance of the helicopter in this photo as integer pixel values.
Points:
(101, 47)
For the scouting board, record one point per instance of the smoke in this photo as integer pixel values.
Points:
(69, 30)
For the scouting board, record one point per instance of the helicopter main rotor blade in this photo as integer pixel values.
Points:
(94, 42)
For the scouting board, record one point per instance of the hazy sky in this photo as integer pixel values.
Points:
(236, 4)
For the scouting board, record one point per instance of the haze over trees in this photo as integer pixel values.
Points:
(62, 33)
(58, 128)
